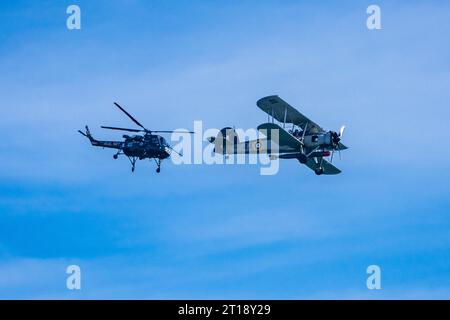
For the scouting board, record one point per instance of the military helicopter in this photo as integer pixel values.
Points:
(147, 146)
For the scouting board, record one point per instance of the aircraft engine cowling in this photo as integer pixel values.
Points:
(334, 138)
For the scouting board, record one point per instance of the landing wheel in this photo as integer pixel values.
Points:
(303, 158)
(158, 165)
(318, 171)
(115, 156)
(132, 169)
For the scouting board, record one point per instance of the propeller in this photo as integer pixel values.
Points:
(339, 152)
(336, 139)
(341, 131)
(140, 125)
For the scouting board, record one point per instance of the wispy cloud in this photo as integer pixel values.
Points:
(223, 231)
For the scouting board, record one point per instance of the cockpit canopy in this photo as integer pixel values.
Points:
(156, 140)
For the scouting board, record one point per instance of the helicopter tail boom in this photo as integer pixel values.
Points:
(88, 135)
(104, 144)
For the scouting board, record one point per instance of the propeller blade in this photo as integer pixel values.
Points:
(341, 131)
(129, 115)
(122, 129)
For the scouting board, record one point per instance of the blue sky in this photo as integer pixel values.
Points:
(224, 231)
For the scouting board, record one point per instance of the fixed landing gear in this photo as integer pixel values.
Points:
(319, 168)
(318, 171)
(115, 156)
(303, 158)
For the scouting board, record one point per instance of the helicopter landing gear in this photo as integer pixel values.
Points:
(158, 165)
(303, 158)
(117, 155)
(133, 162)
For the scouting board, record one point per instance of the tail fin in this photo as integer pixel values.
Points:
(87, 134)
(226, 140)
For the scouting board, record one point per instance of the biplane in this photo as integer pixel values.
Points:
(297, 137)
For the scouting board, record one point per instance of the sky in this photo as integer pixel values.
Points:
(224, 231)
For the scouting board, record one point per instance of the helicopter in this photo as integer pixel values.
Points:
(134, 147)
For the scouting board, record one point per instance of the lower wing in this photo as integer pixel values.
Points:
(328, 168)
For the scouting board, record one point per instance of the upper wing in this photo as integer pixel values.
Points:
(328, 168)
(283, 112)
(284, 137)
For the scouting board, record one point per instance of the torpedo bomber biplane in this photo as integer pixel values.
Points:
(134, 147)
(305, 141)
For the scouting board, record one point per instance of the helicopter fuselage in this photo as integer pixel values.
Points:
(147, 146)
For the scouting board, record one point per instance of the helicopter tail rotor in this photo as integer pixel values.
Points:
(87, 134)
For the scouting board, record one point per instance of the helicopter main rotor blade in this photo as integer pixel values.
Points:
(129, 115)
(170, 131)
(122, 129)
